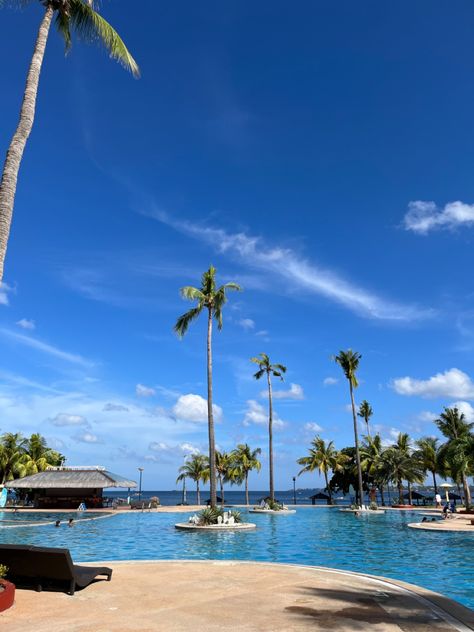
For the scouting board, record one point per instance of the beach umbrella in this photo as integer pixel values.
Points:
(447, 487)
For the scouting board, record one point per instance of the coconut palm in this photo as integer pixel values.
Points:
(269, 370)
(366, 412)
(244, 460)
(197, 469)
(401, 464)
(324, 458)
(372, 462)
(428, 454)
(38, 456)
(80, 17)
(210, 298)
(349, 363)
(456, 450)
(12, 450)
(223, 470)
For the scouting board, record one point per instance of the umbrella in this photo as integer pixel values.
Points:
(446, 486)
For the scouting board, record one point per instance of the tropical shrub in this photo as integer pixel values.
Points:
(373, 506)
(3, 571)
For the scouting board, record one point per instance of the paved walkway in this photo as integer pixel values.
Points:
(458, 522)
(211, 596)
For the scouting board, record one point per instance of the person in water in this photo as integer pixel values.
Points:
(57, 523)
(70, 521)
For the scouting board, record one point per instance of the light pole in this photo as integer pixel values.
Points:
(294, 490)
(140, 469)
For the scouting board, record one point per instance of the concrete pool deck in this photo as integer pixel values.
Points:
(208, 596)
(458, 522)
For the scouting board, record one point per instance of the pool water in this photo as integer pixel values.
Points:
(379, 545)
(10, 518)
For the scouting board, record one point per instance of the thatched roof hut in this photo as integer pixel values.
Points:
(67, 487)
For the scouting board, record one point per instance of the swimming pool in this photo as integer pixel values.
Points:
(25, 517)
(382, 545)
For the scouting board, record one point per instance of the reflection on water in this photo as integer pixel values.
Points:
(381, 545)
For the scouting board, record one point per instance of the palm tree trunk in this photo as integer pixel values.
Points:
(247, 488)
(400, 492)
(467, 492)
(221, 484)
(327, 487)
(210, 415)
(434, 482)
(270, 436)
(17, 145)
(356, 439)
(382, 499)
(198, 493)
(410, 499)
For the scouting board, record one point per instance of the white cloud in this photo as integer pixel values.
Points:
(423, 217)
(180, 449)
(109, 407)
(25, 323)
(87, 437)
(193, 408)
(247, 324)
(262, 332)
(330, 381)
(34, 343)
(465, 408)
(64, 419)
(427, 416)
(312, 427)
(289, 266)
(4, 290)
(452, 383)
(144, 391)
(294, 392)
(256, 414)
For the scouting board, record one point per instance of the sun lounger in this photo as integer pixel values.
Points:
(39, 566)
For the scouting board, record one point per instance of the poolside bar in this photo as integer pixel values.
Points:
(68, 487)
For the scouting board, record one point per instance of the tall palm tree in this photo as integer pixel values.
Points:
(77, 16)
(428, 454)
(244, 460)
(197, 469)
(210, 298)
(349, 363)
(269, 370)
(366, 412)
(456, 450)
(324, 458)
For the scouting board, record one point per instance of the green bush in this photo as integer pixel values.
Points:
(373, 506)
(3, 571)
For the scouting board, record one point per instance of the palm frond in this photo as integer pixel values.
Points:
(62, 24)
(230, 286)
(91, 26)
(191, 293)
(185, 320)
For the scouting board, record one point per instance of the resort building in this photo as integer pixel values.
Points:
(68, 487)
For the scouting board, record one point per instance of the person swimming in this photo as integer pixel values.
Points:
(70, 521)
(57, 523)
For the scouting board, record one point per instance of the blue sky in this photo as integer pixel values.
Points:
(320, 155)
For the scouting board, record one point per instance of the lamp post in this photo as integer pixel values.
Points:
(140, 469)
(294, 490)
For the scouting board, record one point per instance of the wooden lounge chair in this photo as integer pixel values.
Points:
(38, 566)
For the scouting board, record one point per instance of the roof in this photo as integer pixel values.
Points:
(64, 478)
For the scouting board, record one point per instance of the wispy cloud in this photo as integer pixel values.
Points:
(294, 392)
(4, 291)
(256, 414)
(424, 217)
(144, 391)
(288, 265)
(330, 381)
(26, 323)
(43, 347)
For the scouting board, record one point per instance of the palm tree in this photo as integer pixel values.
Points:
(349, 363)
(402, 465)
(38, 456)
(197, 469)
(456, 450)
(372, 462)
(80, 17)
(213, 299)
(12, 450)
(276, 370)
(324, 458)
(428, 454)
(366, 412)
(244, 460)
(223, 466)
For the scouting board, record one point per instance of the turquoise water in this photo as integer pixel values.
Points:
(379, 545)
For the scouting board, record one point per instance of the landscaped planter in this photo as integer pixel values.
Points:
(404, 506)
(272, 511)
(7, 594)
(240, 526)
